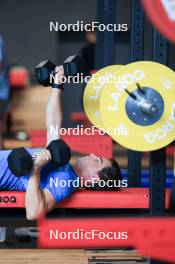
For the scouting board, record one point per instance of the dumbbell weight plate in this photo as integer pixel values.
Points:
(20, 161)
(43, 71)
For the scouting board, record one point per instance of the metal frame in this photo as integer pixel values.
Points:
(137, 53)
(105, 45)
(104, 56)
(158, 158)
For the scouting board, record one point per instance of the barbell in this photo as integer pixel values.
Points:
(135, 104)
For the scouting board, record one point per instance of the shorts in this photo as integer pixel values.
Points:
(3, 107)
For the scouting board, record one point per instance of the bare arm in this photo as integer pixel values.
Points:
(38, 201)
(54, 113)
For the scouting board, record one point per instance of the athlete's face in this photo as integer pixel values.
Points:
(89, 166)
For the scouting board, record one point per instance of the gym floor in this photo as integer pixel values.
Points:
(67, 256)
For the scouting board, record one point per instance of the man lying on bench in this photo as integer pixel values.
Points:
(42, 194)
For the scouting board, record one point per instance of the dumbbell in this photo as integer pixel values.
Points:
(25, 234)
(20, 162)
(72, 65)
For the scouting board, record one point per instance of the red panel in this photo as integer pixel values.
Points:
(133, 198)
(18, 77)
(93, 71)
(170, 151)
(79, 116)
(153, 237)
(38, 133)
(100, 145)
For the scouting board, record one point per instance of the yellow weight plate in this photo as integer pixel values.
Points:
(93, 90)
(139, 108)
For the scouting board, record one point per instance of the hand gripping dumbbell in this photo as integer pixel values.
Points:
(72, 65)
(20, 162)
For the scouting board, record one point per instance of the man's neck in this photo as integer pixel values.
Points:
(75, 169)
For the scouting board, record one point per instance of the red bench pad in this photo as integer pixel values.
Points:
(125, 198)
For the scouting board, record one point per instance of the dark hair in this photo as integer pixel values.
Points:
(109, 173)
